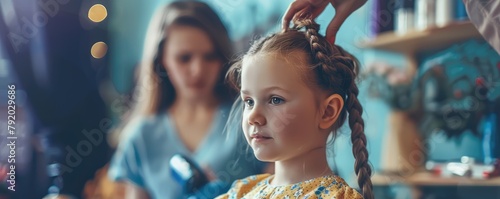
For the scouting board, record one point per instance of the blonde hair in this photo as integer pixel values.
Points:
(333, 70)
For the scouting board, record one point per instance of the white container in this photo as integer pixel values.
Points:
(404, 20)
(426, 11)
(445, 12)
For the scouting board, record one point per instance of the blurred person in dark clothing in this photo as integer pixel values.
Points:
(49, 51)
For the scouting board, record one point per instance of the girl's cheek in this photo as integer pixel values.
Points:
(282, 116)
(244, 124)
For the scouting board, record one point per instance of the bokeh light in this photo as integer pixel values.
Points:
(97, 13)
(99, 50)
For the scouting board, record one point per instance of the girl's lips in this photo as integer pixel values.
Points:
(260, 138)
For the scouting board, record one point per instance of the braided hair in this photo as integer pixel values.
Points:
(334, 71)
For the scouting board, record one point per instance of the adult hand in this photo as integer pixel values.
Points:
(313, 8)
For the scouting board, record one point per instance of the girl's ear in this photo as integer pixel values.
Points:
(332, 106)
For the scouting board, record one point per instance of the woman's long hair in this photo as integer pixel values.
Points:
(154, 92)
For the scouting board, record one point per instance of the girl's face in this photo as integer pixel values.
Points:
(280, 117)
(191, 62)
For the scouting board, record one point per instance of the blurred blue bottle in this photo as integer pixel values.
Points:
(193, 180)
(491, 137)
(460, 11)
(187, 173)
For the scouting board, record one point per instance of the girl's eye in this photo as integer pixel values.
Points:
(276, 100)
(249, 103)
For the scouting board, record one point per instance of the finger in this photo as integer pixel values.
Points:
(318, 9)
(317, 2)
(294, 8)
(302, 14)
(334, 26)
(341, 13)
(313, 10)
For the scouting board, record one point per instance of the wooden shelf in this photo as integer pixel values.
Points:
(427, 179)
(430, 39)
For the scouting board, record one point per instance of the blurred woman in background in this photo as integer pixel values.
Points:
(181, 106)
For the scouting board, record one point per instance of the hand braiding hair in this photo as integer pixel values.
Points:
(333, 62)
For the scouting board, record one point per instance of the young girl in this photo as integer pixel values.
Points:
(297, 89)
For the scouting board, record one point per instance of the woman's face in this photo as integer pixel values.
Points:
(191, 62)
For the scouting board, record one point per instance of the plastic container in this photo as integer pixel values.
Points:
(425, 17)
(404, 16)
(445, 12)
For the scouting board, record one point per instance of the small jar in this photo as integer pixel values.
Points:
(404, 16)
(425, 14)
(445, 12)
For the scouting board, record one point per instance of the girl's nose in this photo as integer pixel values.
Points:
(256, 117)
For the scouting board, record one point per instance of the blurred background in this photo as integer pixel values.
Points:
(430, 89)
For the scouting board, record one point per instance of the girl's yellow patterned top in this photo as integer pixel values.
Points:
(258, 186)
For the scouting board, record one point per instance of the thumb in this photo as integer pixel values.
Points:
(334, 26)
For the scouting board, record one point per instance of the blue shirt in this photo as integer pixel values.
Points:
(148, 143)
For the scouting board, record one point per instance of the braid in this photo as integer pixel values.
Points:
(334, 65)
(320, 52)
(358, 138)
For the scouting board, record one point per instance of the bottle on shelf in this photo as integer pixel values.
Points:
(460, 11)
(425, 17)
(404, 16)
(445, 12)
(491, 136)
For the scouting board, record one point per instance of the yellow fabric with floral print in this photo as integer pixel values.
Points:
(258, 186)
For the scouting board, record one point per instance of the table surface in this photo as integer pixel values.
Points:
(428, 179)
